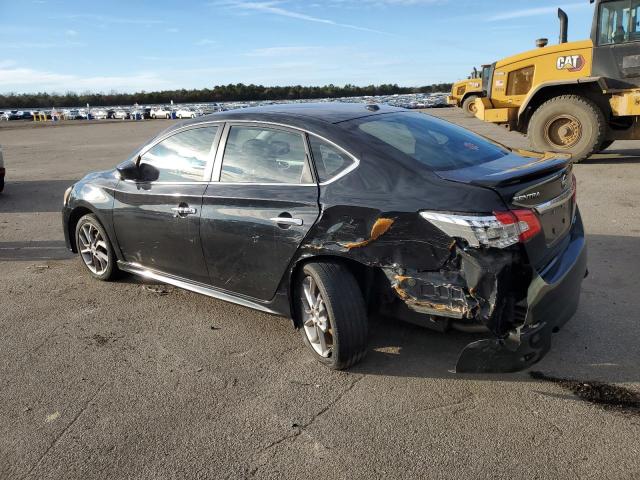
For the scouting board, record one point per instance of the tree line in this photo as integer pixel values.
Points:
(219, 93)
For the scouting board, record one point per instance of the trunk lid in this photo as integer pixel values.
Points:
(542, 183)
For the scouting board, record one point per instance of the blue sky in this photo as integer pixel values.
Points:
(58, 46)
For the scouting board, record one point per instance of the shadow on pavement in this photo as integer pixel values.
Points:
(613, 156)
(33, 196)
(38, 250)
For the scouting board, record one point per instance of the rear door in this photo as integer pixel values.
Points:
(259, 207)
(157, 219)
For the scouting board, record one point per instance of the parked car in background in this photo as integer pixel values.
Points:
(73, 114)
(185, 113)
(120, 114)
(2, 170)
(146, 112)
(99, 114)
(111, 112)
(323, 212)
(160, 112)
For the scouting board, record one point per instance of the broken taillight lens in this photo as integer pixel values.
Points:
(499, 230)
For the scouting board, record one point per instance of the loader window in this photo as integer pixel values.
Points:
(619, 22)
(520, 81)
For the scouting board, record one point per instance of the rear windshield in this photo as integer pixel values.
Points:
(434, 143)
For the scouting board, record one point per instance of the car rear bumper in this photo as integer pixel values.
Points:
(552, 299)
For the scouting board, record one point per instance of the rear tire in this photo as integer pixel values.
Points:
(568, 124)
(604, 145)
(331, 313)
(94, 249)
(469, 106)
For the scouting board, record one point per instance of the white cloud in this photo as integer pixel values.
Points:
(70, 33)
(108, 19)
(274, 9)
(22, 79)
(204, 42)
(284, 51)
(532, 12)
(42, 45)
(173, 30)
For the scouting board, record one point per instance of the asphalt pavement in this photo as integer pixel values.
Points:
(138, 380)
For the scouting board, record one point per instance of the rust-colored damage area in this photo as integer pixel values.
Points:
(380, 227)
(473, 287)
(452, 301)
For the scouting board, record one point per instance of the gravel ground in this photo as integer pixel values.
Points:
(138, 380)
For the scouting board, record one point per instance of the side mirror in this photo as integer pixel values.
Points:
(129, 171)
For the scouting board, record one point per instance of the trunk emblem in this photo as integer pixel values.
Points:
(527, 196)
(563, 180)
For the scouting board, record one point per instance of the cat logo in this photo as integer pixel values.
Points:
(573, 63)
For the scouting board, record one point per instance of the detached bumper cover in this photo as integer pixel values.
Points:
(552, 299)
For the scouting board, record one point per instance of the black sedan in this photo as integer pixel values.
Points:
(326, 213)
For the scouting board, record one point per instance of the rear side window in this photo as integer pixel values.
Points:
(264, 155)
(434, 143)
(329, 160)
(182, 157)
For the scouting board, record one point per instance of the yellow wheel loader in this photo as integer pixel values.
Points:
(574, 97)
(465, 92)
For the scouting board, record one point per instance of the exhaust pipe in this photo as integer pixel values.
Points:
(564, 25)
(475, 72)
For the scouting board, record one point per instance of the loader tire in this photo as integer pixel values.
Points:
(469, 106)
(604, 145)
(568, 124)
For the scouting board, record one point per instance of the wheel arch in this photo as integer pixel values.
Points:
(590, 88)
(364, 275)
(75, 215)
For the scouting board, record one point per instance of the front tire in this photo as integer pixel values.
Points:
(568, 124)
(469, 106)
(331, 312)
(95, 249)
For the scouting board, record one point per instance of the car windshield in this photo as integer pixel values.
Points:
(432, 142)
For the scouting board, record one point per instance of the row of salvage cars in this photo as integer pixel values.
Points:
(327, 212)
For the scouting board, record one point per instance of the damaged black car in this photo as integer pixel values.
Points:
(327, 213)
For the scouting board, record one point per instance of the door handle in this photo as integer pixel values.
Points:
(183, 211)
(287, 221)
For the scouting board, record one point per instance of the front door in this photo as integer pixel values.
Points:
(256, 216)
(157, 218)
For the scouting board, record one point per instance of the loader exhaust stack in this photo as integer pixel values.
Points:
(564, 25)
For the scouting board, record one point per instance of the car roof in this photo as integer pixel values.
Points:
(299, 114)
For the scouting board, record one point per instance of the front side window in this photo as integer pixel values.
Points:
(264, 155)
(329, 160)
(182, 157)
(434, 143)
(619, 22)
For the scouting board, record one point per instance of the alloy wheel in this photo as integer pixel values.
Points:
(93, 248)
(316, 322)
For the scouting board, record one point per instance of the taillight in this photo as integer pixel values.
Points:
(526, 221)
(499, 230)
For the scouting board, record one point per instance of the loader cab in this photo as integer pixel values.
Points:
(616, 42)
(487, 79)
